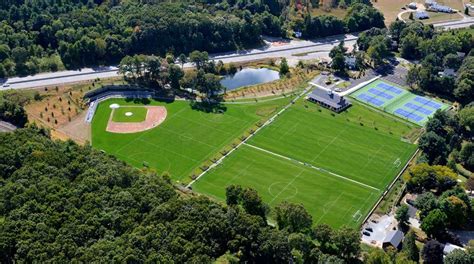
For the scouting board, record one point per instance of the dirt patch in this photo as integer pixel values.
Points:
(154, 117)
(78, 129)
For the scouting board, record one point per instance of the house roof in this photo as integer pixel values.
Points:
(328, 97)
(448, 248)
(394, 237)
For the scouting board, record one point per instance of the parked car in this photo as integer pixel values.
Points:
(365, 233)
(369, 229)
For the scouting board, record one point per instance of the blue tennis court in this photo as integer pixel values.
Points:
(408, 115)
(389, 88)
(427, 102)
(380, 93)
(371, 100)
(418, 108)
(395, 100)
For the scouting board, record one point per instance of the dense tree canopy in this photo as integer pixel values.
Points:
(60, 202)
(49, 35)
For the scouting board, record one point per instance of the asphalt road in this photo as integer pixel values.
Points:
(293, 50)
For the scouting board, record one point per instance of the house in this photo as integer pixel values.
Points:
(412, 5)
(432, 5)
(448, 248)
(393, 238)
(350, 62)
(447, 73)
(421, 15)
(329, 99)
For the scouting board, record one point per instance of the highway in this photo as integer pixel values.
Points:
(293, 50)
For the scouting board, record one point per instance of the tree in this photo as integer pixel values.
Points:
(293, 217)
(434, 147)
(410, 248)
(378, 256)
(337, 54)
(456, 210)
(422, 177)
(284, 68)
(467, 155)
(12, 112)
(433, 252)
(253, 204)
(338, 63)
(378, 50)
(466, 117)
(199, 59)
(426, 202)
(402, 215)
(182, 59)
(459, 256)
(347, 243)
(324, 235)
(434, 224)
(232, 194)
(175, 74)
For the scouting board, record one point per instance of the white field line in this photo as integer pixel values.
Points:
(313, 167)
(269, 121)
(286, 186)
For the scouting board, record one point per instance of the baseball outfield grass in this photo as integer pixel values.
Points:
(184, 141)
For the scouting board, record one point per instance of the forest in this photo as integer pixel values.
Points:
(52, 35)
(60, 202)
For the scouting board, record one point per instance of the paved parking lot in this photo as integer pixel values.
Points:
(380, 225)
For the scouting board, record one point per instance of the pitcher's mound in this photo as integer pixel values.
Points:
(155, 116)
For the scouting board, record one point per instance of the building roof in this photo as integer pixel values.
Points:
(328, 97)
(448, 248)
(393, 237)
(421, 14)
(350, 60)
(448, 72)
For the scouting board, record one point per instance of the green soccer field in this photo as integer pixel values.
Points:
(331, 142)
(337, 165)
(328, 199)
(138, 114)
(186, 139)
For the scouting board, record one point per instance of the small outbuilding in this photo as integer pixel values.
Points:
(421, 15)
(393, 238)
(448, 248)
(329, 99)
(448, 72)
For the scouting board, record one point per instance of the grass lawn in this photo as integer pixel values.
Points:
(329, 162)
(328, 199)
(371, 153)
(185, 140)
(337, 12)
(138, 114)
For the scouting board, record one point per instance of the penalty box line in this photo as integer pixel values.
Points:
(312, 167)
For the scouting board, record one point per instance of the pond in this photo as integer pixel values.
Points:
(249, 76)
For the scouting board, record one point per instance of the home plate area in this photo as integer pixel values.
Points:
(155, 115)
